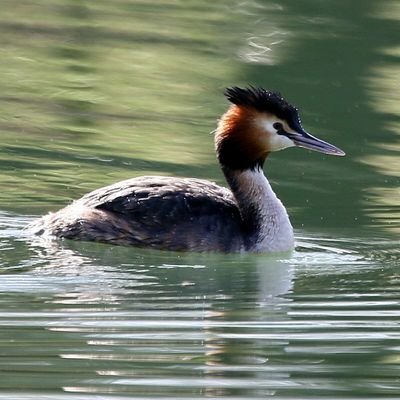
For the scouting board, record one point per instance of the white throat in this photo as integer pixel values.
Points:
(274, 232)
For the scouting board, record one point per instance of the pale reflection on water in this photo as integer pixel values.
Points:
(383, 198)
(102, 319)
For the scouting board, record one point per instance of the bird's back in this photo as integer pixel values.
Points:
(159, 212)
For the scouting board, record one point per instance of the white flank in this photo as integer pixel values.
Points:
(276, 232)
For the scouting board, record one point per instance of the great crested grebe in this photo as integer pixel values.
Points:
(198, 215)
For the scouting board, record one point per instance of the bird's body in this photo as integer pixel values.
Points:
(198, 215)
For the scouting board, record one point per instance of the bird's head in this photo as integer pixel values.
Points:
(257, 123)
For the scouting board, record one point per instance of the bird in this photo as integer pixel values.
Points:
(190, 214)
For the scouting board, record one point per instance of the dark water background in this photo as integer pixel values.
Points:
(95, 92)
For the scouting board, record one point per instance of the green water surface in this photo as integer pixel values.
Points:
(92, 92)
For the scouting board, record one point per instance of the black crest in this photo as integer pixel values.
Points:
(264, 100)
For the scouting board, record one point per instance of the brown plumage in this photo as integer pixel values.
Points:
(159, 212)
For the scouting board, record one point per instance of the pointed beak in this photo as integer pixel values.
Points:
(307, 141)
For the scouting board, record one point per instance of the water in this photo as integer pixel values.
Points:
(94, 92)
(94, 319)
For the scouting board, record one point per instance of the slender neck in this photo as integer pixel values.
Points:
(266, 225)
